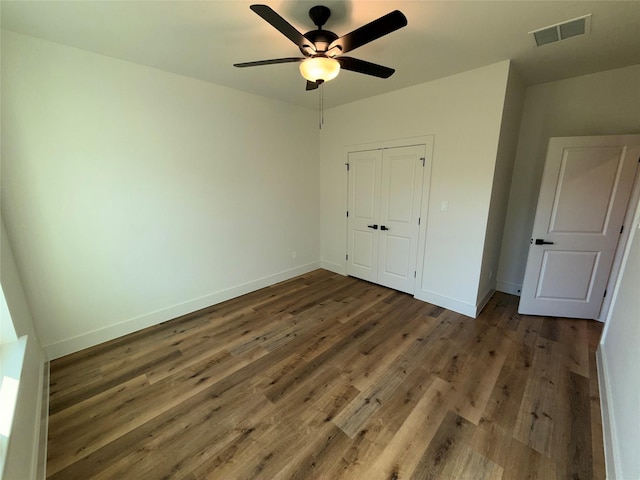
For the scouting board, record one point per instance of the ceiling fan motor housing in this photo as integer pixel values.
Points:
(321, 39)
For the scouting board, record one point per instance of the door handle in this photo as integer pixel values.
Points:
(540, 241)
(374, 226)
(382, 227)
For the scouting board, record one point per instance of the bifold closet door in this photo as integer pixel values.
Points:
(385, 193)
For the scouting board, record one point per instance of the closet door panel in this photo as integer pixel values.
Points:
(400, 199)
(365, 169)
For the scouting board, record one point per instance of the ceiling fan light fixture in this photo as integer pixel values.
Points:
(319, 69)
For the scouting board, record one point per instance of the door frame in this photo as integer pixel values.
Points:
(428, 142)
(621, 247)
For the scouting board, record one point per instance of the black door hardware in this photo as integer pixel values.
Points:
(374, 226)
(540, 241)
(384, 228)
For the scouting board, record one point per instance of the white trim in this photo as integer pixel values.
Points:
(393, 143)
(21, 458)
(424, 211)
(35, 442)
(449, 303)
(12, 359)
(611, 439)
(41, 466)
(621, 248)
(485, 299)
(333, 267)
(509, 287)
(95, 337)
(608, 425)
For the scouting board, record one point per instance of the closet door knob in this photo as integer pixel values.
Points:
(374, 226)
(384, 228)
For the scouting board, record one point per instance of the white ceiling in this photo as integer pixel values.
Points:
(203, 39)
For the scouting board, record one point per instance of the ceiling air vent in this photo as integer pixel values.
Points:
(561, 31)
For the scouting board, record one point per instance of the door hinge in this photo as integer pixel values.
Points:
(347, 213)
(346, 257)
(423, 160)
(605, 294)
(418, 220)
(414, 273)
(347, 166)
(621, 228)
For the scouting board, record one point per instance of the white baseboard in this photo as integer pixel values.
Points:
(95, 337)
(41, 467)
(508, 287)
(333, 267)
(608, 423)
(483, 302)
(449, 303)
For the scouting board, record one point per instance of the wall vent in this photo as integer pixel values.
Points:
(561, 31)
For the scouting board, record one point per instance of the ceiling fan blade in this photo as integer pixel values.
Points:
(368, 68)
(268, 62)
(280, 24)
(371, 31)
(311, 85)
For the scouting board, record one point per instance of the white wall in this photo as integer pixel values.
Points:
(605, 103)
(463, 112)
(133, 195)
(619, 357)
(21, 462)
(510, 127)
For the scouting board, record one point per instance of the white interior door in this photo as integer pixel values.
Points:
(583, 198)
(400, 199)
(385, 192)
(365, 171)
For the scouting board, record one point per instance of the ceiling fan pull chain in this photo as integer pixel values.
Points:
(321, 106)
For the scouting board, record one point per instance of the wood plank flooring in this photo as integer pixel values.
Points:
(329, 377)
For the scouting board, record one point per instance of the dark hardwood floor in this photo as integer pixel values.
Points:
(325, 376)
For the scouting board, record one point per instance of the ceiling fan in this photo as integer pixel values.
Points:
(323, 49)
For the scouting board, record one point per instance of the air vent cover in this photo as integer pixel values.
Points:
(561, 31)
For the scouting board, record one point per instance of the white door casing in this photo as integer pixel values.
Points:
(385, 194)
(583, 198)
